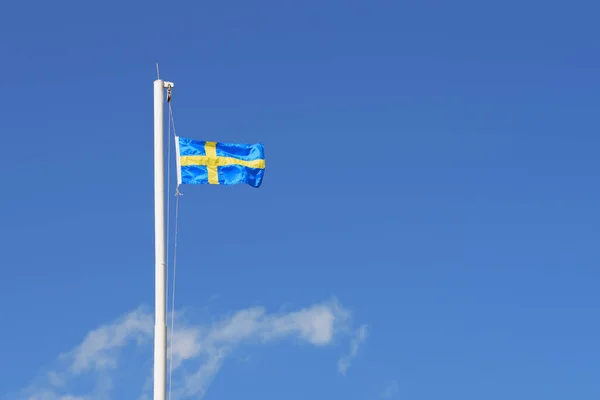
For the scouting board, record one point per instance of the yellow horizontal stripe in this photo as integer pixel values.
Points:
(216, 161)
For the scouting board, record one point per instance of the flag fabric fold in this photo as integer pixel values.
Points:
(217, 163)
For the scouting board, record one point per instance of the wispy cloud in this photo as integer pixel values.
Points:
(316, 325)
(99, 349)
(198, 351)
(359, 338)
(390, 390)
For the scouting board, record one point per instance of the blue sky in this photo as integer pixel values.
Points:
(426, 228)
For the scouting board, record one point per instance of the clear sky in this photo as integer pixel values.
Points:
(427, 227)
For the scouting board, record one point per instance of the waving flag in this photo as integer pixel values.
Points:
(201, 162)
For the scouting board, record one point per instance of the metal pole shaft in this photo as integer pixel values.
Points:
(160, 326)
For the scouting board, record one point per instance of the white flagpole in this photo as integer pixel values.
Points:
(160, 325)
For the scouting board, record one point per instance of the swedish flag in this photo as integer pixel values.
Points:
(200, 162)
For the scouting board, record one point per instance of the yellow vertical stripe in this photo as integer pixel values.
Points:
(211, 153)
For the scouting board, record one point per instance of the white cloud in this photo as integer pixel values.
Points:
(198, 351)
(185, 345)
(316, 325)
(359, 338)
(100, 347)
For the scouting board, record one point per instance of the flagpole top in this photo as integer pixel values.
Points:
(159, 85)
(165, 84)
